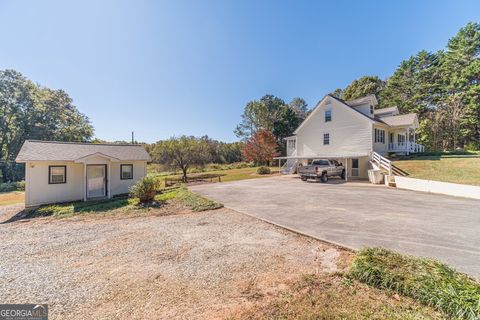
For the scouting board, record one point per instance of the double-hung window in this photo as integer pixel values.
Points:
(57, 174)
(379, 136)
(326, 138)
(328, 115)
(126, 171)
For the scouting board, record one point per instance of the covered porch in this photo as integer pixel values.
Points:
(404, 140)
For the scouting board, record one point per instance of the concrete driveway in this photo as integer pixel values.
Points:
(355, 215)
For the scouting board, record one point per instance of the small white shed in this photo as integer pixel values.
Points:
(65, 171)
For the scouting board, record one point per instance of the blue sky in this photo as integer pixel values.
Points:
(164, 68)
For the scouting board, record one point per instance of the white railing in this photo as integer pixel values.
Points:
(382, 162)
(290, 165)
(406, 147)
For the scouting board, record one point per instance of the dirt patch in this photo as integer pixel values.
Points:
(187, 266)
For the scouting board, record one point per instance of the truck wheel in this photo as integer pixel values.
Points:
(324, 178)
(343, 175)
(303, 178)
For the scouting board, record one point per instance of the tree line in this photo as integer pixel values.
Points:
(442, 87)
(31, 111)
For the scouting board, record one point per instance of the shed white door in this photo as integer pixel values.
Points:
(96, 181)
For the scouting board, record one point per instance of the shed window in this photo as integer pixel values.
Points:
(328, 115)
(126, 171)
(379, 136)
(57, 174)
(326, 138)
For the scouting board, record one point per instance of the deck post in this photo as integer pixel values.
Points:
(408, 141)
(346, 169)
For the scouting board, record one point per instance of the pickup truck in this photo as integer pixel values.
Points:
(321, 170)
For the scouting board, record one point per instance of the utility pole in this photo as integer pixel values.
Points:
(133, 138)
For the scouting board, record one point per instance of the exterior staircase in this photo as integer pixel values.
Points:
(290, 167)
(379, 162)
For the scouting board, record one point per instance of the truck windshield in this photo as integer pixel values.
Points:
(320, 162)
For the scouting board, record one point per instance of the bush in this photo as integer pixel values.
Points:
(12, 186)
(145, 188)
(425, 280)
(263, 170)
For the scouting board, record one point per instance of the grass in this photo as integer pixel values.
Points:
(126, 205)
(327, 296)
(72, 208)
(226, 174)
(463, 169)
(12, 198)
(195, 202)
(427, 281)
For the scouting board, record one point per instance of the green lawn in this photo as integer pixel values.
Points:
(449, 168)
(227, 175)
(13, 197)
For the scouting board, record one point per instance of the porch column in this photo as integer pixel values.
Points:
(109, 177)
(84, 182)
(346, 169)
(408, 141)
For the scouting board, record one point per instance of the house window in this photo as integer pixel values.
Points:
(126, 171)
(292, 144)
(57, 174)
(328, 115)
(401, 139)
(326, 138)
(379, 136)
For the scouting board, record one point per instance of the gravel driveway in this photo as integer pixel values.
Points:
(188, 266)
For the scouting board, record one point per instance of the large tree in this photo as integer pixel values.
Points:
(30, 111)
(362, 87)
(272, 114)
(182, 153)
(260, 148)
(460, 83)
(259, 114)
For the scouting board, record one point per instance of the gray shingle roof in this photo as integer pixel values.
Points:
(35, 150)
(400, 120)
(370, 99)
(385, 110)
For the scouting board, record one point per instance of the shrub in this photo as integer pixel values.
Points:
(145, 188)
(425, 280)
(263, 170)
(12, 186)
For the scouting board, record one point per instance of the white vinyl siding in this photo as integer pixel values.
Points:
(351, 132)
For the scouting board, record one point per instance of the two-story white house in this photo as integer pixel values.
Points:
(350, 132)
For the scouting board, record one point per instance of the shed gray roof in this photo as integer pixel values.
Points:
(400, 120)
(36, 150)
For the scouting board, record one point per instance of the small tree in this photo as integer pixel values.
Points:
(182, 153)
(261, 148)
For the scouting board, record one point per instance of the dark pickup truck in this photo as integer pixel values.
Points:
(321, 170)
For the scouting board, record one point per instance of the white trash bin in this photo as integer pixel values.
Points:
(375, 176)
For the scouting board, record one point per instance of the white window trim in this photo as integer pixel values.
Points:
(325, 115)
(329, 138)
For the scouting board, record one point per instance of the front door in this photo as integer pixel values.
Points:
(354, 167)
(96, 181)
